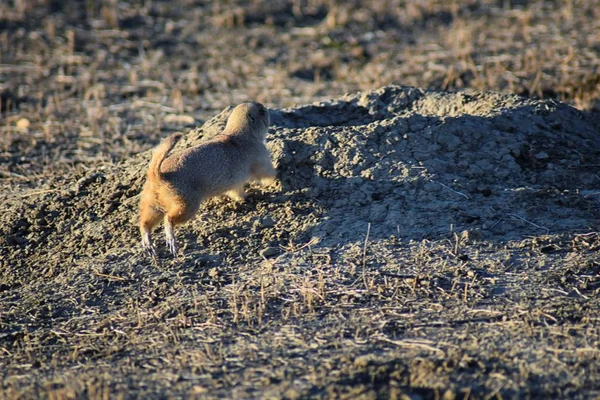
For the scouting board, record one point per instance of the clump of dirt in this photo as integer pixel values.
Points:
(417, 242)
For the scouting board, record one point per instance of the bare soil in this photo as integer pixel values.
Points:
(419, 243)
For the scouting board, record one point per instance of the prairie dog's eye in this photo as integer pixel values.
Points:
(251, 118)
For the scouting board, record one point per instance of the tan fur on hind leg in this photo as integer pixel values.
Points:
(150, 217)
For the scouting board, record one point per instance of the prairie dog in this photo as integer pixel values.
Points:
(176, 185)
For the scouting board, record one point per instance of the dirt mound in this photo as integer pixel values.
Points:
(414, 163)
(427, 179)
(409, 163)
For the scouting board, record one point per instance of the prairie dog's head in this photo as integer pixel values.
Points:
(249, 117)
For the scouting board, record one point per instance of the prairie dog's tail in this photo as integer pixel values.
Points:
(160, 153)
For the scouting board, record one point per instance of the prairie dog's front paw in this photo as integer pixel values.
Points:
(236, 194)
(268, 181)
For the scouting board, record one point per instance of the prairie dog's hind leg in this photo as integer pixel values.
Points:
(176, 216)
(147, 243)
(149, 218)
(170, 236)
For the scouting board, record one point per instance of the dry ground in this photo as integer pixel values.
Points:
(419, 243)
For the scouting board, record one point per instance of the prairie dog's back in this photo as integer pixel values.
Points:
(223, 162)
(209, 167)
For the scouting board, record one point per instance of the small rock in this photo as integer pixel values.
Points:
(475, 170)
(179, 119)
(432, 187)
(268, 252)
(542, 155)
(23, 123)
(472, 235)
(267, 222)
(364, 360)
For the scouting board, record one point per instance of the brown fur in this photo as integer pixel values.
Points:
(177, 185)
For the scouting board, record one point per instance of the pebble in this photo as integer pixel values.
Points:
(267, 222)
(23, 123)
(179, 119)
(268, 252)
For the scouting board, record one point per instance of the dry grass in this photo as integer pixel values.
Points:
(395, 327)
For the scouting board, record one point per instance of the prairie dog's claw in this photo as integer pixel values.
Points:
(148, 246)
(172, 246)
(151, 251)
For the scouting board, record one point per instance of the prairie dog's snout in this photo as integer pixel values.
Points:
(177, 185)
